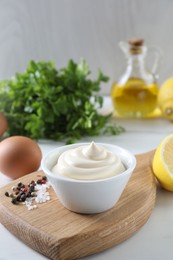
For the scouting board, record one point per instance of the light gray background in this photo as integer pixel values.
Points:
(58, 30)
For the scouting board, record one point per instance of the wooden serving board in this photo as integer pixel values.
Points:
(59, 233)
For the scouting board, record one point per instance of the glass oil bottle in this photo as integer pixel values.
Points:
(135, 94)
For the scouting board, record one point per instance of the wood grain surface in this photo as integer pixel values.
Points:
(61, 234)
(58, 30)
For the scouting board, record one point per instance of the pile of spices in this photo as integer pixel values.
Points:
(35, 191)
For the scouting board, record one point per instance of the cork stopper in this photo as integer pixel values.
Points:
(135, 45)
(136, 42)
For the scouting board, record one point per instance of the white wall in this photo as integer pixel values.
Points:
(58, 30)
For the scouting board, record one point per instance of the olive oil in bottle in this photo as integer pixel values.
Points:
(134, 98)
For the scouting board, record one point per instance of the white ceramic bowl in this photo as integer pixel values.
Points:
(93, 196)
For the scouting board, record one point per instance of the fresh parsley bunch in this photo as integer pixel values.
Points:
(46, 103)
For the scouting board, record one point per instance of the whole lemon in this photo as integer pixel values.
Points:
(165, 99)
(163, 164)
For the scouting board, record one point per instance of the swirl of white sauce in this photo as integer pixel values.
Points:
(88, 162)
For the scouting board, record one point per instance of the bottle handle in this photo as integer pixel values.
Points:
(157, 58)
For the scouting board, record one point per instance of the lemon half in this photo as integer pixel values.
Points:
(163, 163)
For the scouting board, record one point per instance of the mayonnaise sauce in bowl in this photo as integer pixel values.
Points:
(89, 178)
(88, 162)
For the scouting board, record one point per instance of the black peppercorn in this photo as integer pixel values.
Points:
(23, 197)
(18, 197)
(28, 194)
(21, 193)
(7, 194)
(14, 201)
(31, 188)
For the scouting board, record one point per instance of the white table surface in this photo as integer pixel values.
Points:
(154, 241)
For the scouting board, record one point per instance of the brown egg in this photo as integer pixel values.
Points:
(3, 124)
(19, 156)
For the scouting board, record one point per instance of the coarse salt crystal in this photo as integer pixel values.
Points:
(42, 195)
